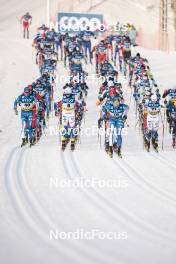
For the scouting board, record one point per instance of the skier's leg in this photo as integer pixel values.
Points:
(111, 134)
(174, 135)
(119, 137)
(24, 129)
(115, 57)
(23, 122)
(24, 33)
(147, 138)
(89, 50)
(155, 139)
(30, 119)
(27, 32)
(61, 50)
(107, 131)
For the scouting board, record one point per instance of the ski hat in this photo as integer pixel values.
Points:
(26, 91)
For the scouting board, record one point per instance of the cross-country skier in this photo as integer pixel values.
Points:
(26, 20)
(151, 122)
(27, 103)
(116, 113)
(171, 112)
(66, 110)
(86, 37)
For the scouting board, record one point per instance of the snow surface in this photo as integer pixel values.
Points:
(30, 208)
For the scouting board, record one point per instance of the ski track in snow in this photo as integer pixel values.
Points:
(37, 221)
(119, 211)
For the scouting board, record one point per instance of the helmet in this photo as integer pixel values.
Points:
(173, 102)
(154, 98)
(38, 81)
(68, 91)
(147, 94)
(30, 88)
(26, 91)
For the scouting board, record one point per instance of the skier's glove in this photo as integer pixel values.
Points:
(16, 111)
(100, 122)
(168, 119)
(124, 118)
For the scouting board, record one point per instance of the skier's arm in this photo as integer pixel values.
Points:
(166, 92)
(125, 113)
(16, 103)
(168, 113)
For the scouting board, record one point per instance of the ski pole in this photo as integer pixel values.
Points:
(163, 139)
(136, 123)
(162, 131)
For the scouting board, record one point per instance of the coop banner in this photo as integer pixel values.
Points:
(74, 22)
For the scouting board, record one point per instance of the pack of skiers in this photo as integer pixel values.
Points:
(112, 57)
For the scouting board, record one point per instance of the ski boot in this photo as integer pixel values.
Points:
(173, 143)
(107, 147)
(119, 153)
(72, 146)
(64, 144)
(34, 141)
(147, 144)
(100, 121)
(155, 145)
(31, 142)
(110, 152)
(115, 148)
(23, 142)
